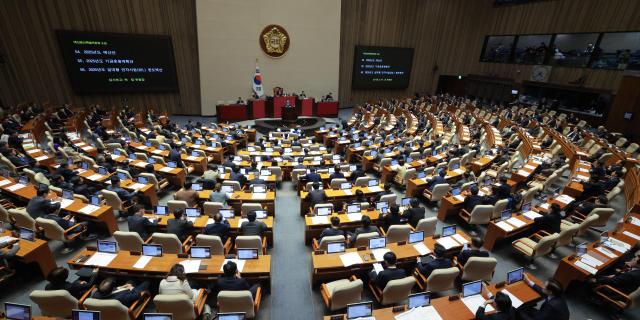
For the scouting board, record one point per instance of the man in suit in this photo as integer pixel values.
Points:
(554, 306)
(472, 199)
(179, 225)
(414, 213)
(123, 194)
(187, 194)
(390, 272)
(436, 261)
(474, 251)
(38, 206)
(391, 218)
(252, 227)
(139, 224)
(219, 228)
(358, 173)
(127, 294)
(551, 221)
(236, 175)
(439, 179)
(504, 310)
(334, 230)
(64, 221)
(366, 228)
(336, 173)
(174, 156)
(626, 280)
(312, 176)
(504, 190)
(316, 195)
(16, 159)
(585, 207)
(231, 280)
(299, 164)
(57, 279)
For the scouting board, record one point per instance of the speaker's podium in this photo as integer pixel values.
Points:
(289, 114)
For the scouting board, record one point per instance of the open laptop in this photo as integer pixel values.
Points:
(261, 214)
(151, 160)
(471, 288)
(345, 186)
(161, 210)
(449, 230)
(121, 176)
(197, 186)
(417, 300)
(27, 234)
(226, 189)
(362, 310)
(415, 237)
(231, 316)
(247, 254)
(192, 212)
(107, 246)
(354, 208)
(514, 276)
(581, 249)
(157, 316)
(85, 315)
(23, 180)
(377, 243)
(456, 191)
(95, 200)
(103, 171)
(336, 247)
(526, 207)
(15, 311)
(67, 194)
(152, 250)
(172, 164)
(422, 175)
(323, 211)
(259, 189)
(227, 213)
(143, 180)
(382, 204)
(405, 202)
(373, 183)
(197, 252)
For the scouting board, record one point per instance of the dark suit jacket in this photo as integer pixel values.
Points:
(256, 228)
(123, 194)
(549, 222)
(63, 223)
(427, 268)
(76, 288)
(38, 207)
(464, 256)
(362, 230)
(626, 282)
(496, 316)
(174, 155)
(140, 225)
(553, 308)
(328, 232)
(179, 228)
(232, 284)
(413, 215)
(336, 175)
(313, 177)
(390, 219)
(315, 196)
(218, 229)
(387, 275)
(435, 181)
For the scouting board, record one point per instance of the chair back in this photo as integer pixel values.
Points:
(613, 193)
(4, 215)
(567, 234)
(453, 162)
(603, 216)
(479, 268)
(442, 279)
(346, 293)
(631, 149)
(397, 290)
(335, 183)
(109, 308)
(277, 171)
(427, 225)
(249, 242)
(54, 303)
(40, 178)
(179, 305)
(390, 198)
(22, 218)
(236, 301)
(439, 191)
(234, 184)
(363, 239)
(152, 179)
(169, 241)
(176, 204)
(545, 245)
(112, 199)
(499, 207)
(211, 208)
(324, 242)
(213, 242)
(634, 297)
(397, 233)
(362, 181)
(587, 223)
(52, 230)
(128, 241)
(248, 207)
(481, 214)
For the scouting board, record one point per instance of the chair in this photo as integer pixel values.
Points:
(239, 301)
(603, 216)
(248, 207)
(211, 208)
(158, 185)
(180, 306)
(295, 176)
(479, 268)
(338, 294)
(40, 178)
(618, 299)
(363, 239)
(397, 233)
(453, 162)
(252, 242)
(277, 171)
(113, 309)
(22, 219)
(126, 173)
(335, 183)
(362, 181)
(113, 200)
(427, 225)
(533, 249)
(55, 303)
(176, 204)
(568, 231)
(500, 206)
(215, 243)
(322, 205)
(438, 192)
(235, 185)
(481, 214)
(53, 231)
(439, 279)
(613, 193)
(586, 224)
(632, 148)
(324, 242)
(141, 156)
(394, 292)
(128, 241)
(170, 242)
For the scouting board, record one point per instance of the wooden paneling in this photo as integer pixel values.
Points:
(627, 100)
(34, 69)
(450, 34)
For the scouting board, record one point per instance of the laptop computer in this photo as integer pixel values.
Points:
(526, 207)
(103, 171)
(336, 247)
(354, 208)
(415, 237)
(261, 214)
(67, 194)
(505, 214)
(16, 311)
(515, 275)
(259, 189)
(231, 316)
(422, 175)
(152, 250)
(192, 212)
(323, 211)
(197, 252)
(85, 315)
(581, 249)
(95, 200)
(377, 243)
(405, 202)
(161, 210)
(122, 176)
(23, 180)
(172, 164)
(345, 186)
(373, 183)
(107, 246)
(197, 186)
(247, 254)
(27, 234)
(85, 165)
(417, 300)
(143, 180)
(226, 189)
(471, 288)
(227, 213)
(151, 160)
(157, 316)
(359, 310)
(382, 204)
(456, 191)
(265, 173)
(449, 230)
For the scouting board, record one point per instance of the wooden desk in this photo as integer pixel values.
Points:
(495, 233)
(35, 252)
(314, 230)
(199, 163)
(176, 176)
(415, 187)
(339, 197)
(239, 197)
(217, 154)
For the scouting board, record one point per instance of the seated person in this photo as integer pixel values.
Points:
(38, 206)
(176, 283)
(387, 190)
(414, 213)
(187, 194)
(554, 306)
(439, 179)
(217, 195)
(504, 310)
(58, 281)
(551, 221)
(472, 199)
(474, 251)
(312, 176)
(626, 280)
(211, 174)
(236, 175)
(391, 218)
(586, 207)
(65, 221)
(252, 227)
(231, 280)
(126, 294)
(179, 225)
(334, 230)
(219, 227)
(437, 260)
(8, 250)
(366, 228)
(123, 194)
(390, 272)
(139, 223)
(337, 174)
(315, 196)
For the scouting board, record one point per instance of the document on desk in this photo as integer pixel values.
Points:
(379, 253)
(190, 266)
(420, 313)
(459, 197)
(136, 186)
(586, 267)
(354, 217)
(142, 262)
(460, 239)
(591, 261)
(4, 182)
(523, 173)
(192, 219)
(94, 176)
(351, 258)
(421, 248)
(86, 148)
(166, 169)
(89, 209)
(447, 243)
(606, 252)
(157, 151)
(32, 150)
(348, 192)
(635, 221)
(320, 220)
(141, 164)
(238, 262)
(531, 215)
(565, 199)
(516, 222)
(375, 189)
(16, 187)
(619, 245)
(192, 158)
(631, 235)
(100, 259)
(545, 206)
(530, 167)
(504, 226)
(258, 196)
(515, 302)
(474, 302)
(40, 158)
(64, 203)
(459, 171)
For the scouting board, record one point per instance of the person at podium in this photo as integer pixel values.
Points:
(302, 95)
(328, 97)
(240, 101)
(287, 104)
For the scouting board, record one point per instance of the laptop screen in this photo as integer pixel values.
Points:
(455, 191)
(151, 160)
(261, 214)
(381, 204)
(143, 180)
(85, 165)
(455, 166)
(419, 300)
(506, 214)
(231, 316)
(152, 250)
(171, 164)
(200, 252)
(515, 275)
(449, 230)
(122, 176)
(85, 315)
(27, 234)
(471, 288)
(335, 247)
(245, 254)
(581, 249)
(107, 246)
(265, 172)
(526, 207)
(226, 189)
(14, 311)
(259, 189)
(422, 174)
(197, 186)
(359, 310)
(195, 153)
(95, 200)
(227, 213)
(23, 180)
(353, 208)
(157, 316)
(405, 201)
(161, 210)
(353, 168)
(102, 171)
(192, 212)
(417, 236)
(345, 186)
(67, 194)
(323, 211)
(377, 242)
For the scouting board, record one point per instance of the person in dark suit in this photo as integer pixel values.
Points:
(585, 207)
(358, 173)
(38, 206)
(16, 159)
(336, 173)
(257, 180)
(554, 306)
(58, 281)
(174, 155)
(437, 261)
(413, 214)
(504, 190)
(391, 218)
(591, 188)
(504, 310)
(312, 176)
(550, 221)
(65, 222)
(334, 230)
(439, 179)
(389, 273)
(236, 175)
(179, 225)
(139, 224)
(625, 280)
(472, 199)
(127, 294)
(366, 228)
(474, 251)
(252, 227)
(219, 228)
(123, 194)
(316, 195)
(299, 164)
(231, 280)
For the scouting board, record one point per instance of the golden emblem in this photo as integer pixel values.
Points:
(274, 41)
